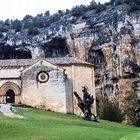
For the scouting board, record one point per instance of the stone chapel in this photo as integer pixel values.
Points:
(46, 83)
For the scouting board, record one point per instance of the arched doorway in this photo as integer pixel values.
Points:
(10, 93)
(10, 96)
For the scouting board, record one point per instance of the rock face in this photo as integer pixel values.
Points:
(109, 39)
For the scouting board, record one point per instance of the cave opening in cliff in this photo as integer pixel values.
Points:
(14, 52)
(108, 90)
(57, 47)
(96, 57)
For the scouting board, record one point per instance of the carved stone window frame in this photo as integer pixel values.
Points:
(42, 77)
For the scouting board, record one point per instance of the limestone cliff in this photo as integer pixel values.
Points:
(110, 39)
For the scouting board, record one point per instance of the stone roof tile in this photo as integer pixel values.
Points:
(28, 62)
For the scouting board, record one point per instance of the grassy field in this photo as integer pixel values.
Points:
(42, 125)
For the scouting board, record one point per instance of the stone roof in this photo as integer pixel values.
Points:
(66, 60)
(29, 62)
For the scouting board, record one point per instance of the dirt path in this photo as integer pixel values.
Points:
(5, 109)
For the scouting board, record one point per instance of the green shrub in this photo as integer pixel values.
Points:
(124, 30)
(137, 2)
(1, 35)
(92, 5)
(135, 67)
(3, 29)
(78, 11)
(17, 25)
(131, 104)
(112, 112)
(118, 2)
(136, 82)
(134, 7)
(33, 31)
(100, 8)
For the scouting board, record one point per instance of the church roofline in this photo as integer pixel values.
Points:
(38, 61)
(29, 62)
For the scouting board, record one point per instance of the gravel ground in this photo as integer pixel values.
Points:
(6, 110)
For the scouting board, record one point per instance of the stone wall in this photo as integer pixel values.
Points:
(49, 95)
(81, 75)
(10, 79)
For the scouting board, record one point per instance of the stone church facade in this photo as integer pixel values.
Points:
(46, 83)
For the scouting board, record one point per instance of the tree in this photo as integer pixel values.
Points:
(100, 7)
(54, 18)
(17, 25)
(27, 21)
(93, 5)
(60, 12)
(78, 10)
(47, 13)
(3, 28)
(1, 35)
(33, 31)
(38, 22)
(27, 17)
(7, 22)
(137, 2)
(135, 5)
(39, 15)
(67, 11)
